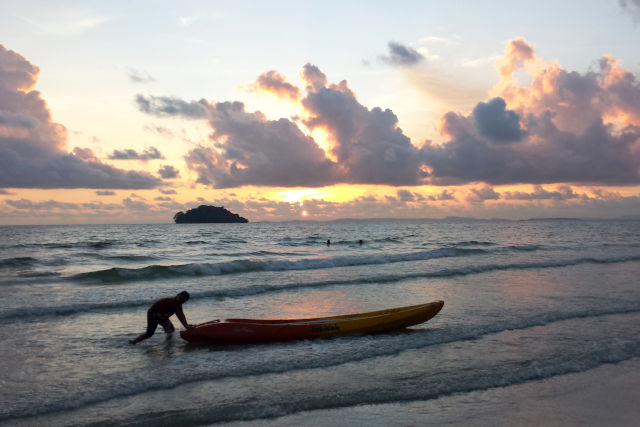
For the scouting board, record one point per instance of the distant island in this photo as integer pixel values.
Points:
(207, 214)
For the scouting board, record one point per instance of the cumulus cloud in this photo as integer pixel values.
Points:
(33, 148)
(252, 150)
(565, 127)
(151, 153)
(401, 55)
(249, 149)
(168, 172)
(275, 83)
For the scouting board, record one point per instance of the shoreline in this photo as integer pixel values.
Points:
(606, 395)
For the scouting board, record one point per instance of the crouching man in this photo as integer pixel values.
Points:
(159, 314)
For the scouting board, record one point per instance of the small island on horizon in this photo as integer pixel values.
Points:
(208, 214)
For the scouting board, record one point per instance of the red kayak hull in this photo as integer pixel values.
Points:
(254, 330)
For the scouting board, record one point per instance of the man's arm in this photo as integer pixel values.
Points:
(182, 318)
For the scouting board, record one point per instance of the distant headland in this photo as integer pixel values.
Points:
(207, 214)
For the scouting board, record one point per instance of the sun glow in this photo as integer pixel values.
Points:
(322, 138)
(298, 196)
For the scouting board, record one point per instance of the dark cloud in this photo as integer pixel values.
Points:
(136, 205)
(4, 192)
(168, 172)
(495, 122)
(551, 132)
(137, 76)
(369, 145)
(167, 191)
(274, 82)
(556, 127)
(24, 204)
(562, 192)
(400, 55)
(151, 153)
(444, 195)
(105, 193)
(599, 155)
(33, 148)
(252, 150)
(479, 195)
(164, 106)
(632, 7)
(409, 196)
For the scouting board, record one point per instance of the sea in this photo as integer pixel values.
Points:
(527, 304)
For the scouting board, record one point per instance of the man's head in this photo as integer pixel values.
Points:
(183, 296)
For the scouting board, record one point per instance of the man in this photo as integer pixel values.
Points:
(159, 314)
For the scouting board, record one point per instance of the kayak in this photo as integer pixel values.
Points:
(255, 331)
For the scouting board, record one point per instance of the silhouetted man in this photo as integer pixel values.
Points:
(159, 314)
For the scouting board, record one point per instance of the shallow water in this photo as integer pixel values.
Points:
(524, 301)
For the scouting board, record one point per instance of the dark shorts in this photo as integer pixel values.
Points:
(153, 320)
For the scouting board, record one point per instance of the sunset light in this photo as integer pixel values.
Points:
(417, 126)
(320, 213)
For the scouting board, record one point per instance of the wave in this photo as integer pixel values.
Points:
(31, 313)
(18, 262)
(119, 274)
(443, 380)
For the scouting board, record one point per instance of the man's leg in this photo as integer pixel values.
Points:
(152, 324)
(168, 327)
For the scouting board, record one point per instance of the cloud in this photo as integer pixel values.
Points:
(442, 196)
(275, 83)
(400, 55)
(167, 191)
(168, 172)
(480, 195)
(151, 153)
(565, 127)
(33, 148)
(496, 123)
(105, 193)
(368, 144)
(248, 149)
(632, 7)
(164, 106)
(562, 192)
(24, 204)
(252, 150)
(138, 76)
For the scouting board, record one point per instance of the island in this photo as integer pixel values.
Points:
(208, 214)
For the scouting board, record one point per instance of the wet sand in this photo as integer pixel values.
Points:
(605, 396)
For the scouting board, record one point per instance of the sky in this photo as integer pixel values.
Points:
(128, 112)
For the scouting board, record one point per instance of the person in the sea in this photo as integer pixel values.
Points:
(159, 314)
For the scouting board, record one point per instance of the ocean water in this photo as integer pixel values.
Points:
(524, 301)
